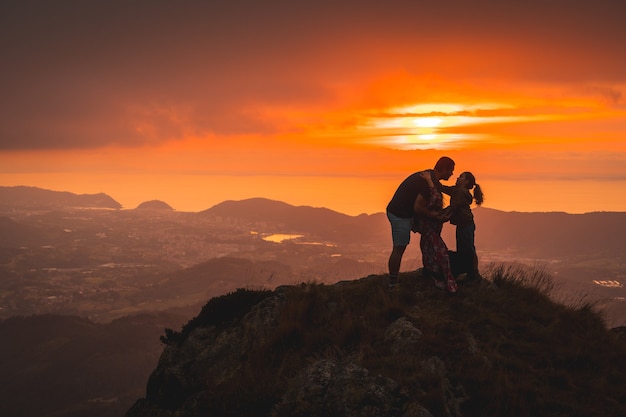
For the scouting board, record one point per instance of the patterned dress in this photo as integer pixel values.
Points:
(434, 250)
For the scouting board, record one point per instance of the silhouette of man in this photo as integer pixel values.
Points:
(405, 206)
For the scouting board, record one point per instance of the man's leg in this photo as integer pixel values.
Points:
(395, 259)
(401, 236)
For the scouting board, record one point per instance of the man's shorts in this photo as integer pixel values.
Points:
(400, 229)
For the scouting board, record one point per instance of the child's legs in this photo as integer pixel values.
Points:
(465, 247)
(465, 238)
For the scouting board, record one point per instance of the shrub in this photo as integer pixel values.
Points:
(218, 311)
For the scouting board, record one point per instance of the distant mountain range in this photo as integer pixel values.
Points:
(37, 198)
(536, 234)
(322, 223)
(23, 197)
(551, 234)
(539, 234)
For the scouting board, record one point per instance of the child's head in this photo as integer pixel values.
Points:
(469, 181)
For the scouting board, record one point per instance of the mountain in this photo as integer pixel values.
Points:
(36, 198)
(109, 264)
(498, 348)
(69, 366)
(317, 222)
(551, 234)
(535, 234)
(154, 205)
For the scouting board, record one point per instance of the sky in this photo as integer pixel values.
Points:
(320, 103)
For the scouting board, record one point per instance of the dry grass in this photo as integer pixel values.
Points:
(506, 344)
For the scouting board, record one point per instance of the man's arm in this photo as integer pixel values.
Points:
(421, 209)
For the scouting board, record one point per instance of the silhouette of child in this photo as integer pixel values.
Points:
(461, 216)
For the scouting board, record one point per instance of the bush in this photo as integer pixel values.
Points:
(219, 311)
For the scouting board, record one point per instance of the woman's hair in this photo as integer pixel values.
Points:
(479, 197)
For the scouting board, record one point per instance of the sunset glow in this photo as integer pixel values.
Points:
(333, 110)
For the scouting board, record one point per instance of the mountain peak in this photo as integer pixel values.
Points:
(36, 198)
(154, 205)
(356, 348)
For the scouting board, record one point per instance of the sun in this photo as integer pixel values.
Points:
(427, 122)
(426, 126)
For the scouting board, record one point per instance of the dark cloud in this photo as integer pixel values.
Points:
(79, 74)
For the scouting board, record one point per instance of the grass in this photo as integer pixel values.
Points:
(508, 348)
(219, 311)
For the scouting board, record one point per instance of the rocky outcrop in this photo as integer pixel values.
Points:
(208, 354)
(327, 388)
(619, 332)
(357, 349)
(215, 356)
(402, 336)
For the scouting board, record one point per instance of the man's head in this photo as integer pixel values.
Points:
(444, 168)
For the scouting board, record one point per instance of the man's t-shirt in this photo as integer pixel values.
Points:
(403, 201)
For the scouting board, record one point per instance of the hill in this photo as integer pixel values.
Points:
(317, 222)
(551, 234)
(534, 234)
(69, 366)
(37, 198)
(356, 348)
(154, 205)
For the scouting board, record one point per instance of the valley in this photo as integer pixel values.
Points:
(105, 264)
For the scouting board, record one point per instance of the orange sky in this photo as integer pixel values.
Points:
(318, 104)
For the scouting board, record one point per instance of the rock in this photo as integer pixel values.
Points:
(327, 388)
(619, 332)
(453, 396)
(402, 336)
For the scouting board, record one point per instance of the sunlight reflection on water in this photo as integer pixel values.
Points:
(280, 237)
(609, 283)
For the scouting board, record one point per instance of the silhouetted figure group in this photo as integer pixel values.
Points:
(417, 206)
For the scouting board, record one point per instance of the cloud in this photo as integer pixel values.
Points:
(79, 74)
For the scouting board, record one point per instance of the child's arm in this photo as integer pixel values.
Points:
(422, 208)
(456, 201)
(425, 207)
(447, 189)
(431, 188)
(428, 178)
(459, 198)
